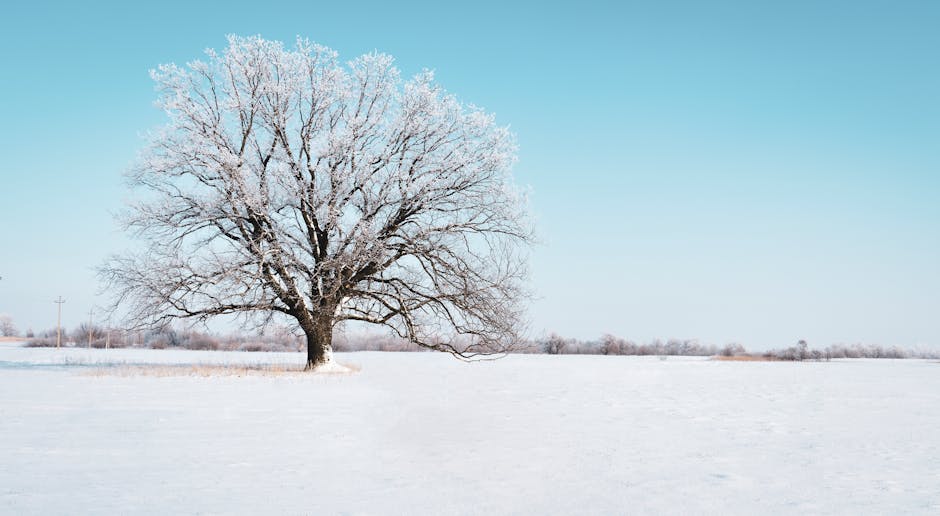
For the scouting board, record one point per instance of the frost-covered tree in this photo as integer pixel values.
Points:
(287, 183)
(7, 328)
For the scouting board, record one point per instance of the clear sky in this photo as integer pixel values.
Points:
(746, 171)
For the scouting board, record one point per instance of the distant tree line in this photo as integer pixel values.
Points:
(802, 352)
(612, 345)
(282, 339)
(277, 339)
(555, 344)
(94, 336)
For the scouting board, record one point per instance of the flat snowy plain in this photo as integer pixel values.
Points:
(421, 433)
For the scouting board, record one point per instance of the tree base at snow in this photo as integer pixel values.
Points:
(327, 364)
(328, 368)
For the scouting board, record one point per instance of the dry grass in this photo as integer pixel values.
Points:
(214, 370)
(745, 358)
(12, 339)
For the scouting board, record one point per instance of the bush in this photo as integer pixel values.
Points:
(42, 342)
(200, 342)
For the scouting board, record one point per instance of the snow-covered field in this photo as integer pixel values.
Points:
(421, 433)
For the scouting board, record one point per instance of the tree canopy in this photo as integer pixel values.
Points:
(288, 184)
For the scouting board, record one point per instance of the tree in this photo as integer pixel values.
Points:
(288, 185)
(7, 328)
(611, 345)
(802, 350)
(555, 345)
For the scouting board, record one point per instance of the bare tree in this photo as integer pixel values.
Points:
(611, 345)
(555, 344)
(802, 350)
(288, 184)
(7, 328)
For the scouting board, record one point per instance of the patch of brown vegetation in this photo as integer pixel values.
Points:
(12, 339)
(212, 370)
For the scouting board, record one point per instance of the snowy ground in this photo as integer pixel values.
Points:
(421, 433)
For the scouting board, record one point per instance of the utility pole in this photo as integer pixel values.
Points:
(90, 315)
(58, 324)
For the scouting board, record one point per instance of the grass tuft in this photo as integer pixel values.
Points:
(745, 358)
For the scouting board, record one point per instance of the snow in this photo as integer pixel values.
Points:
(422, 433)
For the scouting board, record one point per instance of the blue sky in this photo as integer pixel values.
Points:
(758, 172)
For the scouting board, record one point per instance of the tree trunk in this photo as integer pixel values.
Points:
(319, 342)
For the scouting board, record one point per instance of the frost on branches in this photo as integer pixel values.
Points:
(289, 184)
